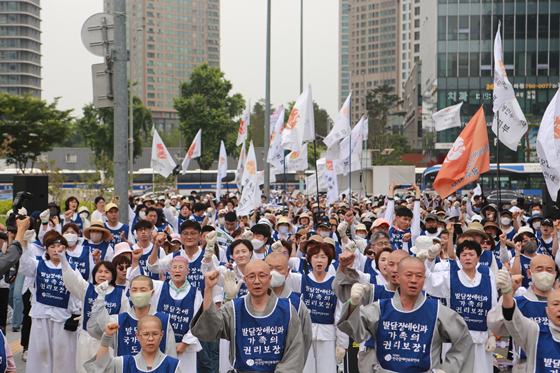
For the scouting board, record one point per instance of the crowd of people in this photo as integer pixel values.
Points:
(422, 283)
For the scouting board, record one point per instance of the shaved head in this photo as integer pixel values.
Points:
(398, 255)
(553, 297)
(276, 257)
(405, 262)
(257, 265)
(148, 319)
(541, 260)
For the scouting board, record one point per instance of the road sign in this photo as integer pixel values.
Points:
(98, 34)
(102, 85)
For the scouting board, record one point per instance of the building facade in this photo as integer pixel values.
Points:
(457, 61)
(20, 47)
(169, 39)
(412, 106)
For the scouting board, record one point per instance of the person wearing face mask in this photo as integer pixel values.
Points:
(431, 223)
(83, 213)
(52, 343)
(539, 339)
(123, 342)
(177, 219)
(506, 224)
(260, 240)
(532, 304)
(79, 255)
(361, 233)
(525, 249)
(279, 270)
(103, 287)
(98, 239)
(284, 228)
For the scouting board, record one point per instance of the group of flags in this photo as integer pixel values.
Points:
(469, 156)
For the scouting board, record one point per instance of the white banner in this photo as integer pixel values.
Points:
(357, 141)
(297, 161)
(244, 125)
(274, 117)
(194, 151)
(513, 124)
(448, 118)
(276, 152)
(240, 167)
(342, 126)
(503, 91)
(301, 123)
(548, 146)
(332, 182)
(162, 162)
(251, 197)
(342, 166)
(222, 169)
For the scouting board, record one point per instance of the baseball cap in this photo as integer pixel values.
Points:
(110, 206)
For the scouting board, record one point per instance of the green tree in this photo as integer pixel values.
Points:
(56, 179)
(528, 137)
(397, 142)
(382, 103)
(256, 129)
(75, 138)
(97, 126)
(205, 103)
(171, 139)
(34, 125)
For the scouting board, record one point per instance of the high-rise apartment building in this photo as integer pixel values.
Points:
(169, 39)
(457, 61)
(410, 38)
(20, 47)
(369, 49)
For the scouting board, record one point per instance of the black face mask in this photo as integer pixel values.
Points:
(431, 230)
(530, 247)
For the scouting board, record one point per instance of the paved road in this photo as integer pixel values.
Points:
(13, 339)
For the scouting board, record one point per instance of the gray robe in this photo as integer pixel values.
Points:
(305, 320)
(111, 364)
(450, 328)
(214, 323)
(100, 318)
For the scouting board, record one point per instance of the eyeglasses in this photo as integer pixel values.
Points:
(383, 243)
(143, 229)
(147, 336)
(261, 276)
(123, 267)
(529, 240)
(487, 242)
(189, 234)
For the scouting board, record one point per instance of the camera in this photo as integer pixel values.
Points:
(19, 202)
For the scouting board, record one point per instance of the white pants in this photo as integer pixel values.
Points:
(51, 348)
(187, 362)
(326, 362)
(225, 365)
(483, 360)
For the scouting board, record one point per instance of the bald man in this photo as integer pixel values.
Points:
(150, 357)
(539, 340)
(279, 271)
(409, 329)
(531, 304)
(264, 331)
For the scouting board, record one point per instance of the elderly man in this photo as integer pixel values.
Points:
(279, 271)
(532, 304)
(539, 340)
(264, 331)
(409, 328)
(150, 333)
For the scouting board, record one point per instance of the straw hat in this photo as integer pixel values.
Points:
(283, 220)
(97, 226)
(476, 228)
(303, 244)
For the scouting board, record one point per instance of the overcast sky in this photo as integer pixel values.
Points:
(67, 64)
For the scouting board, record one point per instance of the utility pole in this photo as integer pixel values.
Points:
(119, 56)
(131, 109)
(267, 106)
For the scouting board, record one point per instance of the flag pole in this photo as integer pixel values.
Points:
(200, 180)
(316, 170)
(498, 143)
(285, 177)
(350, 147)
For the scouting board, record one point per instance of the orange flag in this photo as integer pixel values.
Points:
(468, 158)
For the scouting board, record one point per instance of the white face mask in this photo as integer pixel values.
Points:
(96, 236)
(361, 235)
(505, 221)
(141, 214)
(537, 225)
(535, 212)
(141, 299)
(283, 229)
(543, 280)
(222, 221)
(257, 244)
(277, 279)
(71, 238)
(84, 215)
(325, 234)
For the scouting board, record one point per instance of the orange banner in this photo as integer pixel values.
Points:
(468, 158)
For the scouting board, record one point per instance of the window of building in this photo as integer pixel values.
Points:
(417, 11)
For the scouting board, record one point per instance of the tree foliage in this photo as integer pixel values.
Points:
(397, 142)
(205, 103)
(256, 129)
(34, 127)
(381, 104)
(97, 126)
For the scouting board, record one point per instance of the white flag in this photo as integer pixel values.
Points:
(274, 117)
(222, 169)
(503, 91)
(341, 128)
(365, 134)
(301, 123)
(240, 168)
(276, 152)
(194, 151)
(357, 141)
(343, 165)
(162, 162)
(548, 146)
(251, 197)
(513, 124)
(332, 182)
(297, 161)
(311, 180)
(448, 118)
(244, 125)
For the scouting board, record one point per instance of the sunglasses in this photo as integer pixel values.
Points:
(487, 242)
(123, 267)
